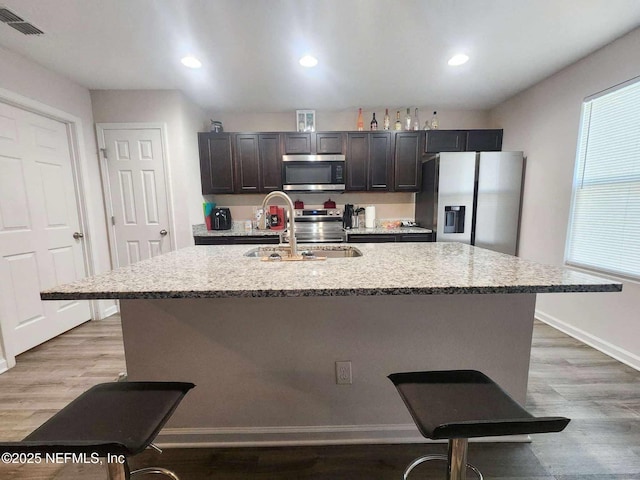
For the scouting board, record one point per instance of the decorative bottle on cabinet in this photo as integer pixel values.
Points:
(387, 123)
(434, 121)
(407, 120)
(374, 122)
(416, 120)
(360, 124)
(398, 125)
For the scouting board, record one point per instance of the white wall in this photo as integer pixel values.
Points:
(183, 120)
(544, 121)
(34, 82)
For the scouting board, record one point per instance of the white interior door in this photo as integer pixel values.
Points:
(38, 218)
(137, 190)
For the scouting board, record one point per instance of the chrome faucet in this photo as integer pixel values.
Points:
(290, 213)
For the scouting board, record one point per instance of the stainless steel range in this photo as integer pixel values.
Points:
(320, 225)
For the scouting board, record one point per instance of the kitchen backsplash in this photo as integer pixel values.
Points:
(398, 205)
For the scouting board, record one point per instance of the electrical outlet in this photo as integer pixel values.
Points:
(343, 373)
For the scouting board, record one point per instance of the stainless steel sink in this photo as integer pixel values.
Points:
(309, 252)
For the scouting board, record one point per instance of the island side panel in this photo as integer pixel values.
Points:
(265, 367)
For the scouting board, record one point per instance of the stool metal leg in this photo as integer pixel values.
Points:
(157, 470)
(456, 461)
(117, 471)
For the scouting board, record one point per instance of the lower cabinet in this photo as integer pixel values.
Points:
(238, 240)
(390, 237)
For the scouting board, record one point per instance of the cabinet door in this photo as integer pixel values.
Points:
(371, 238)
(446, 141)
(484, 140)
(357, 161)
(216, 165)
(331, 142)
(407, 171)
(380, 162)
(297, 143)
(247, 164)
(416, 237)
(270, 162)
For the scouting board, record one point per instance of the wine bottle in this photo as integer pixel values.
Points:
(407, 120)
(360, 121)
(398, 125)
(416, 120)
(434, 121)
(386, 124)
(374, 122)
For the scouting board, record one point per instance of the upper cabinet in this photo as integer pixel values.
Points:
(379, 160)
(408, 159)
(463, 141)
(312, 143)
(369, 161)
(258, 162)
(216, 162)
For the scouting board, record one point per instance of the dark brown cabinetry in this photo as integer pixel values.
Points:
(407, 170)
(390, 237)
(237, 240)
(369, 161)
(463, 141)
(216, 162)
(312, 143)
(297, 143)
(258, 163)
(484, 140)
(330, 142)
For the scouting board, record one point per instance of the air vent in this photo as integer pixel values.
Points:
(26, 28)
(14, 21)
(7, 16)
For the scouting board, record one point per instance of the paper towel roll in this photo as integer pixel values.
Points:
(370, 216)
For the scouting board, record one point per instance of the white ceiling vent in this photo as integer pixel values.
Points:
(13, 20)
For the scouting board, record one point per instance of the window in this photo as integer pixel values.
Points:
(604, 225)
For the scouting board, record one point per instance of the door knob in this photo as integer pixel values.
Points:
(78, 235)
(163, 232)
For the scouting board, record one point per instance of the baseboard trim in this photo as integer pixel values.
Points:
(301, 436)
(603, 346)
(4, 366)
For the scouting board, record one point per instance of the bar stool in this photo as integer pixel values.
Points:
(112, 421)
(460, 404)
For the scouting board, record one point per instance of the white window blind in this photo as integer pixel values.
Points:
(604, 226)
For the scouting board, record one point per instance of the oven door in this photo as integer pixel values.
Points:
(313, 173)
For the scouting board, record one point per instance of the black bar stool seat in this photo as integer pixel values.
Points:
(460, 404)
(110, 419)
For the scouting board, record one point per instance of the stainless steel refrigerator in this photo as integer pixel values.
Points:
(473, 197)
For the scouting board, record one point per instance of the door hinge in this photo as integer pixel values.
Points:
(104, 152)
(113, 220)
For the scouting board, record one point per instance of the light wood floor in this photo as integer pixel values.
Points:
(601, 395)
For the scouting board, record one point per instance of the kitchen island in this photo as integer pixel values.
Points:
(260, 339)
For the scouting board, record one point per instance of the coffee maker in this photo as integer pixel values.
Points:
(347, 216)
(276, 218)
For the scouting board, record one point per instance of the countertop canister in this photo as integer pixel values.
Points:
(370, 216)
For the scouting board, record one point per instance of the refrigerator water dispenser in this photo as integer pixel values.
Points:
(454, 219)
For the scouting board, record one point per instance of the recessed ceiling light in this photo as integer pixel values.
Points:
(458, 59)
(191, 62)
(308, 61)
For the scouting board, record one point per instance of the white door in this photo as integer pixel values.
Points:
(38, 219)
(137, 193)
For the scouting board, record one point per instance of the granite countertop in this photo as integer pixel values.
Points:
(384, 269)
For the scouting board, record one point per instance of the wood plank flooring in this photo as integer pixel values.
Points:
(601, 395)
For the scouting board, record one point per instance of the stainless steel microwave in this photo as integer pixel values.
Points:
(313, 173)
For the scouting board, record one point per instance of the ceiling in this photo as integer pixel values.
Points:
(372, 53)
